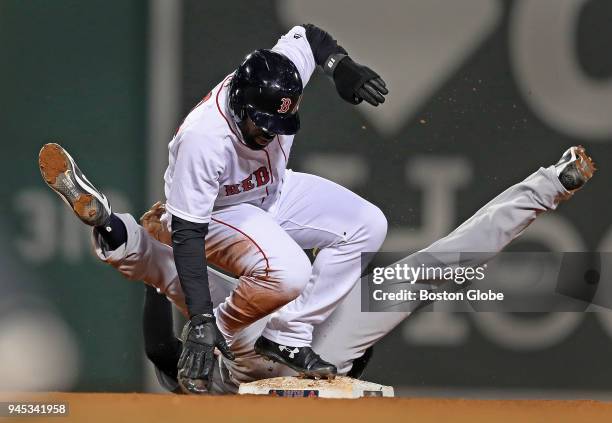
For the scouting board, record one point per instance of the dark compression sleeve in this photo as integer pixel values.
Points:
(190, 259)
(322, 44)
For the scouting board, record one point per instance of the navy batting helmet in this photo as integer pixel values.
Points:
(267, 88)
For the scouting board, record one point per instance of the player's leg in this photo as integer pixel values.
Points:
(161, 345)
(163, 348)
(501, 220)
(64, 177)
(349, 332)
(142, 253)
(272, 269)
(248, 365)
(243, 240)
(319, 213)
(118, 239)
(159, 271)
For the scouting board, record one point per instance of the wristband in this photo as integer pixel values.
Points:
(332, 62)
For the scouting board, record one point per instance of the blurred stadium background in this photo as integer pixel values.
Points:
(482, 93)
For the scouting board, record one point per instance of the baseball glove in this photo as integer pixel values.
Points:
(152, 223)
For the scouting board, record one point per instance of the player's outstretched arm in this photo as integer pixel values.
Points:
(190, 199)
(200, 335)
(354, 82)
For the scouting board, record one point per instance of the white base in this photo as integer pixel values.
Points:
(340, 387)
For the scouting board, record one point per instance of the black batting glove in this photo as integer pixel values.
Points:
(355, 82)
(200, 336)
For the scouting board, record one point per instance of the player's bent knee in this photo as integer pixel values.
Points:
(294, 275)
(375, 226)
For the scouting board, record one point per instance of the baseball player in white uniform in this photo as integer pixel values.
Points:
(231, 202)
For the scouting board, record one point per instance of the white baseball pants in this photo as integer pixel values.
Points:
(312, 212)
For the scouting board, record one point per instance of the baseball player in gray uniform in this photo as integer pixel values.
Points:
(231, 201)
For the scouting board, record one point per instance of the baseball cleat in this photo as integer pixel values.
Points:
(575, 168)
(301, 359)
(64, 177)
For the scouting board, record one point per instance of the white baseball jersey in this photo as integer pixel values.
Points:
(209, 164)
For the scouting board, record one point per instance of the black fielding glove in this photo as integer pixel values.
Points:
(355, 82)
(200, 336)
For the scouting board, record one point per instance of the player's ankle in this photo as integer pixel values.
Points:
(113, 232)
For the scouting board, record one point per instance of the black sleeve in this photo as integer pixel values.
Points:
(190, 259)
(322, 44)
(161, 345)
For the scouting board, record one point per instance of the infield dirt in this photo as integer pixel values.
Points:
(149, 408)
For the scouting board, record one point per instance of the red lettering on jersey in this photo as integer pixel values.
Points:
(262, 176)
(232, 189)
(285, 105)
(247, 184)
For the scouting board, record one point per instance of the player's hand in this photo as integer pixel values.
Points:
(355, 82)
(152, 223)
(195, 366)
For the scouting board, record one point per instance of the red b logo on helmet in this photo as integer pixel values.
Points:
(285, 105)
